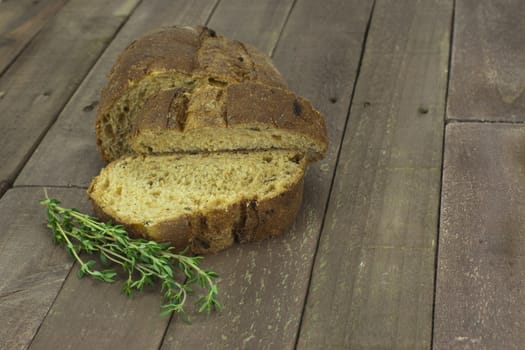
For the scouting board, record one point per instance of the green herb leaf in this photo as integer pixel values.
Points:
(144, 261)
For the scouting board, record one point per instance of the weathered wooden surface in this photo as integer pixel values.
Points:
(371, 205)
(36, 87)
(89, 314)
(79, 162)
(20, 21)
(487, 77)
(372, 283)
(256, 22)
(32, 268)
(3, 187)
(263, 285)
(481, 262)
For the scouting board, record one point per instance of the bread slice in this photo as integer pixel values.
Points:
(202, 201)
(189, 89)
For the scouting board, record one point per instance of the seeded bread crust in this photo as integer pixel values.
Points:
(217, 229)
(197, 79)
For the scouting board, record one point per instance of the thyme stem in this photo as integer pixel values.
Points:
(144, 261)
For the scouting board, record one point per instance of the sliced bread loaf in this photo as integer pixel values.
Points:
(189, 89)
(202, 201)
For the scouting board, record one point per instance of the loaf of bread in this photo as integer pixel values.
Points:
(206, 143)
(204, 201)
(191, 90)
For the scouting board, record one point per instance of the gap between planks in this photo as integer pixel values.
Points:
(484, 121)
(363, 46)
(445, 117)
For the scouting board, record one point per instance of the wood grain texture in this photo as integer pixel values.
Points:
(481, 261)
(264, 24)
(106, 319)
(39, 83)
(89, 314)
(32, 267)
(54, 164)
(20, 21)
(372, 282)
(263, 285)
(487, 77)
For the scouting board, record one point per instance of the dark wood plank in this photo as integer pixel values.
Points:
(54, 164)
(39, 83)
(481, 261)
(263, 285)
(372, 282)
(106, 319)
(487, 77)
(20, 21)
(89, 314)
(266, 19)
(31, 266)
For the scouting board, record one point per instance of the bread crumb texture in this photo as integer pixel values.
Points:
(204, 201)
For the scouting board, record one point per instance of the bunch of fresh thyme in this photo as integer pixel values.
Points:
(144, 261)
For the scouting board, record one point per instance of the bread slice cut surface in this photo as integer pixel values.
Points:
(204, 201)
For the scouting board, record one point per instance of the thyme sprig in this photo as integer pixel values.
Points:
(144, 261)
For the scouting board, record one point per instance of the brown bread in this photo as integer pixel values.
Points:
(191, 90)
(202, 201)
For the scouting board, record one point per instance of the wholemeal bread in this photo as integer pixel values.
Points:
(190, 90)
(202, 201)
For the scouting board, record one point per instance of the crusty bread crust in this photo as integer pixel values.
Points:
(217, 229)
(219, 83)
(251, 103)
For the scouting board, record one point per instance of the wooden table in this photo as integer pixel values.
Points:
(411, 233)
